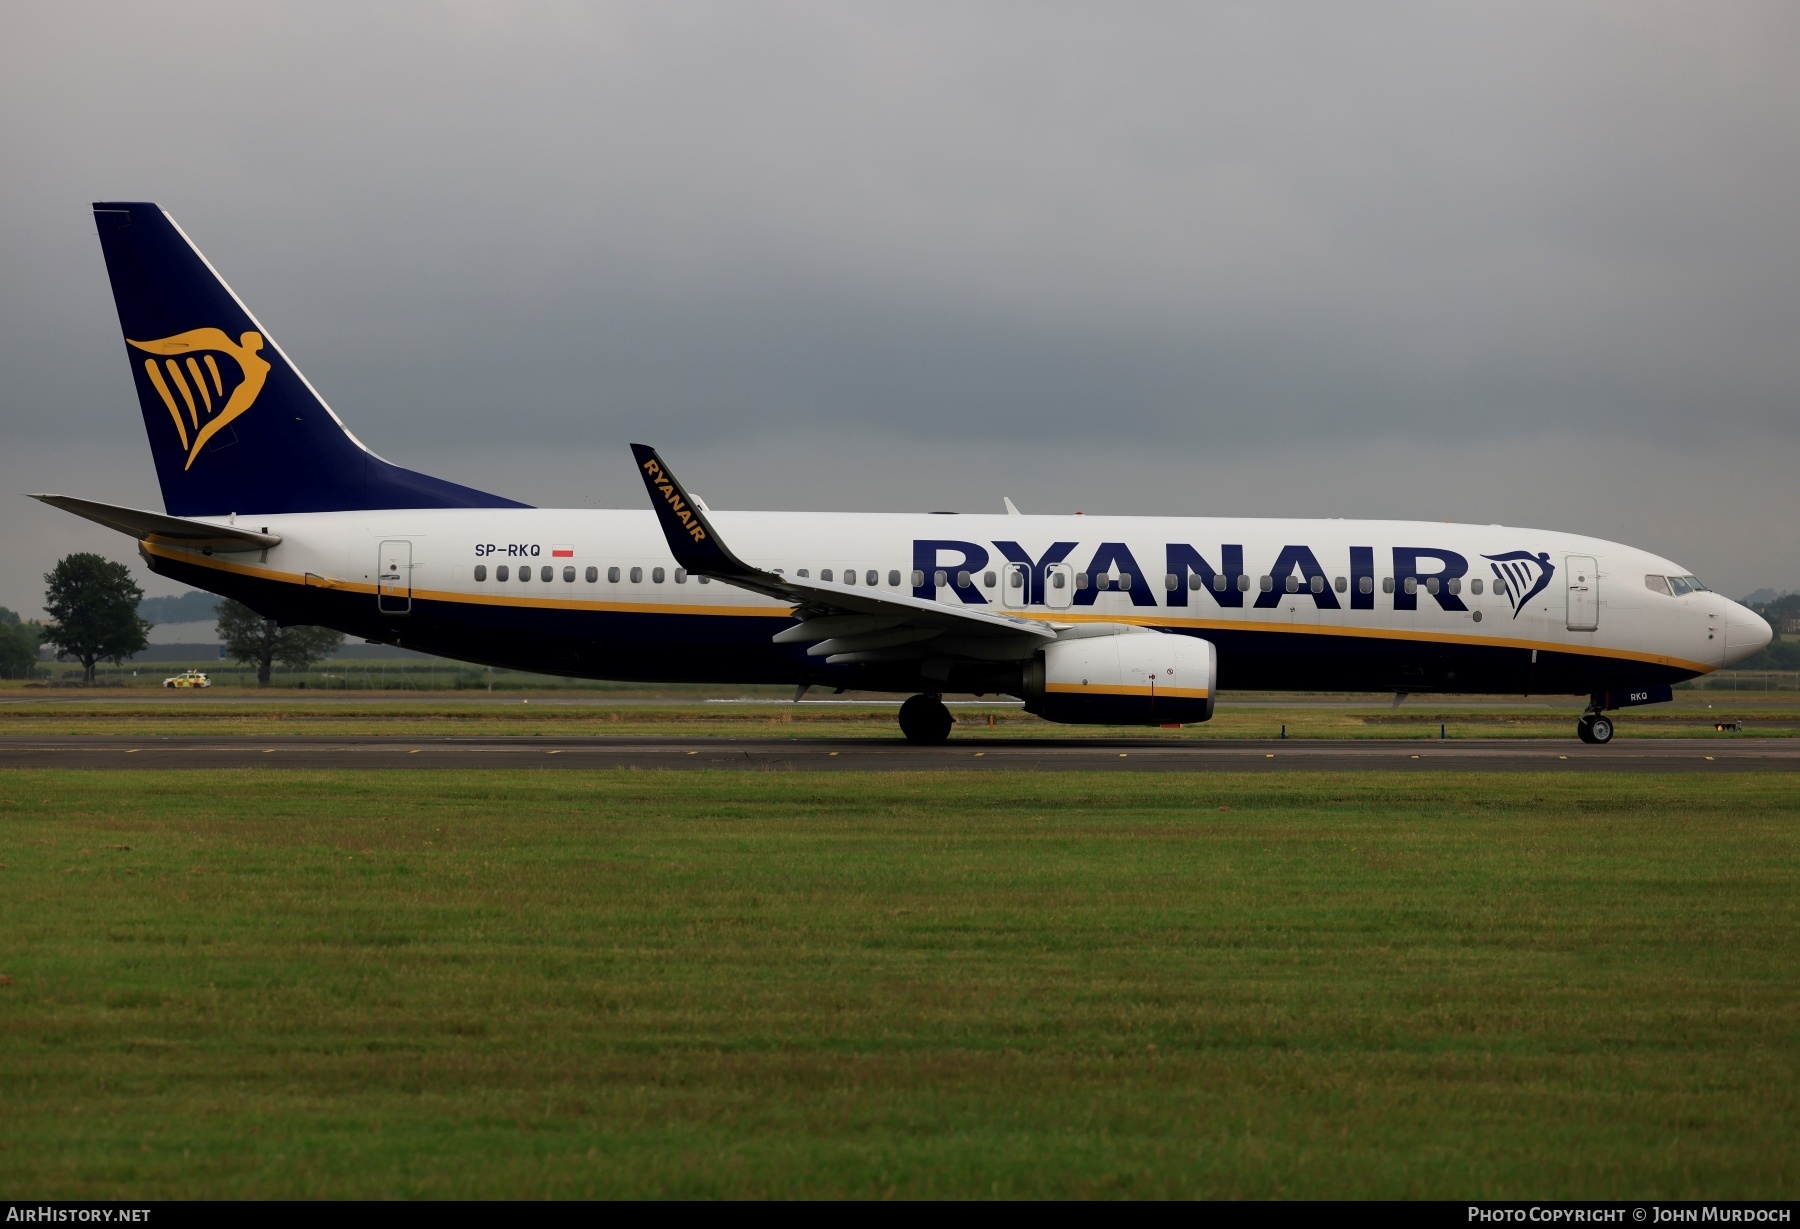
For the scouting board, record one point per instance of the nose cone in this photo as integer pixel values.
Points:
(1746, 633)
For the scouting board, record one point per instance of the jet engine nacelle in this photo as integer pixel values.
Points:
(1132, 678)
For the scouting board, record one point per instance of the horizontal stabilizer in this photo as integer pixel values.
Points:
(155, 526)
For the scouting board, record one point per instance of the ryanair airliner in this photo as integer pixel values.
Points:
(269, 499)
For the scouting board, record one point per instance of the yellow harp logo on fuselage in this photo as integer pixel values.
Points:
(190, 368)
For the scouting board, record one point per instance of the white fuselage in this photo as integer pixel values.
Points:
(1378, 583)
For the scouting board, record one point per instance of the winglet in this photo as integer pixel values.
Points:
(692, 540)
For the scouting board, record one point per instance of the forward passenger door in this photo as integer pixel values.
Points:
(1583, 574)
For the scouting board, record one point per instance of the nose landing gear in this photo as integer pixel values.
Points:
(925, 721)
(1594, 728)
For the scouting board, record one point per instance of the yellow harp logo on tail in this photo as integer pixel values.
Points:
(193, 386)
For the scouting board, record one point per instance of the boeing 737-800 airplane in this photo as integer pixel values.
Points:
(269, 499)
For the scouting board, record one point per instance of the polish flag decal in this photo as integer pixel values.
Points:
(562, 552)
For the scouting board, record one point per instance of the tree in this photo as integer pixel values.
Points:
(92, 603)
(252, 639)
(18, 645)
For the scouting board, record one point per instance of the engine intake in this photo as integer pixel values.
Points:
(1132, 678)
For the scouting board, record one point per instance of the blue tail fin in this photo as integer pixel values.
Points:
(233, 425)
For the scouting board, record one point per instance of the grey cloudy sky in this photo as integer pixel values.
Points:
(1534, 263)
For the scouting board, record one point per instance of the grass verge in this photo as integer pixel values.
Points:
(468, 984)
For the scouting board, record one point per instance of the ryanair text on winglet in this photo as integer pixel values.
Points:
(676, 504)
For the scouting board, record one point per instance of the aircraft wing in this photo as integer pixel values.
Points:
(844, 624)
(156, 527)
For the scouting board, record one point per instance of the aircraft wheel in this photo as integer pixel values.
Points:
(1596, 728)
(925, 721)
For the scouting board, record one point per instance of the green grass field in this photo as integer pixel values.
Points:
(513, 984)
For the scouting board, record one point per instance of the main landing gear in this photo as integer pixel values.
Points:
(925, 721)
(1594, 728)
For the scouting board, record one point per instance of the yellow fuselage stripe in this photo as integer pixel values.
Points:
(1082, 689)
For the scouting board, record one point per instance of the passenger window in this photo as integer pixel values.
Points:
(803, 573)
(987, 580)
(637, 576)
(1343, 583)
(962, 580)
(1102, 581)
(706, 580)
(1365, 584)
(656, 576)
(1387, 584)
(1318, 584)
(1454, 584)
(1499, 587)
(1266, 584)
(1291, 584)
(824, 573)
(918, 579)
(612, 576)
(569, 575)
(1475, 586)
(893, 578)
(1015, 579)
(1056, 580)
(1171, 581)
(1412, 584)
(681, 576)
(481, 572)
(1081, 580)
(593, 575)
(940, 578)
(1681, 586)
(502, 572)
(1243, 582)
(849, 576)
(1124, 580)
(871, 577)
(1656, 584)
(1431, 586)
(524, 572)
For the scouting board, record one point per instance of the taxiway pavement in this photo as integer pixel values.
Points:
(893, 755)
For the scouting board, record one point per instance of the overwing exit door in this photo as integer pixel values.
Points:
(393, 578)
(1015, 581)
(1583, 573)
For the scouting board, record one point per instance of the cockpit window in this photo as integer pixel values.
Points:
(1657, 584)
(1680, 585)
(1694, 584)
